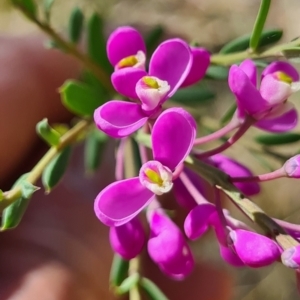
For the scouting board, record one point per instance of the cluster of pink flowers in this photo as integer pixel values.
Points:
(174, 65)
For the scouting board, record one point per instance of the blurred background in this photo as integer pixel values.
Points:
(211, 24)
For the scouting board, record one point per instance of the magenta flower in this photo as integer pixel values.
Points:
(168, 248)
(254, 249)
(267, 104)
(173, 135)
(169, 66)
(128, 240)
(235, 169)
(173, 65)
(126, 48)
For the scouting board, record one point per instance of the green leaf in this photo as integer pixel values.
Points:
(151, 289)
(277, 139)
(229, 114)
(91, 80)
(119, 270)
(75, 25)
(94, 146)
(12, 215)
(292, 54)
(217, 72)
(241, 43)
(79, 98)
(56, 169)
(47, 5)
(259, 24)
(1, 195)
(153, 38)
(48, 134)
(97, 42)
(28, 189)
(128, 284)
(193, 95)
(28, 6)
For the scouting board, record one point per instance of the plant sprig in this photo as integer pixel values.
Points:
(67, 139)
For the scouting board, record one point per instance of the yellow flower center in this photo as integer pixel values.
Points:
(154, 177)
(284, 77)
(128, 61)
(151, 82)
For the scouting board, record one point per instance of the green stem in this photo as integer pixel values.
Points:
(72, 50)
(134, 293)
(259, 24)
(230, 58)
(68, 138)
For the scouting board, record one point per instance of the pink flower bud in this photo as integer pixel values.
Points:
(197, 221)
(291, 257)
(291, 167)
(254, 249)
(168, 248)
(128, 240)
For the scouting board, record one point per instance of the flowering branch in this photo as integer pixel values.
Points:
(221, 181)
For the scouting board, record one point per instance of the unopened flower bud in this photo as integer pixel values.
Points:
(291, 257)
(168, 248)
(197, 221)
(292, 167)
(254, 249)
(128, 240)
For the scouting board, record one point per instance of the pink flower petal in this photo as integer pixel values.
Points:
(173, 137)
(201, 61)
(274, 91)
(125, 80)
(235, 169)
(124, 41)
(250, 70)
(286, 122)
(197, 221)
(128, 240)
(248, 97)
(171, 61)
(281, 66)
(168, 248)
(121, 201)
(119, 118)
